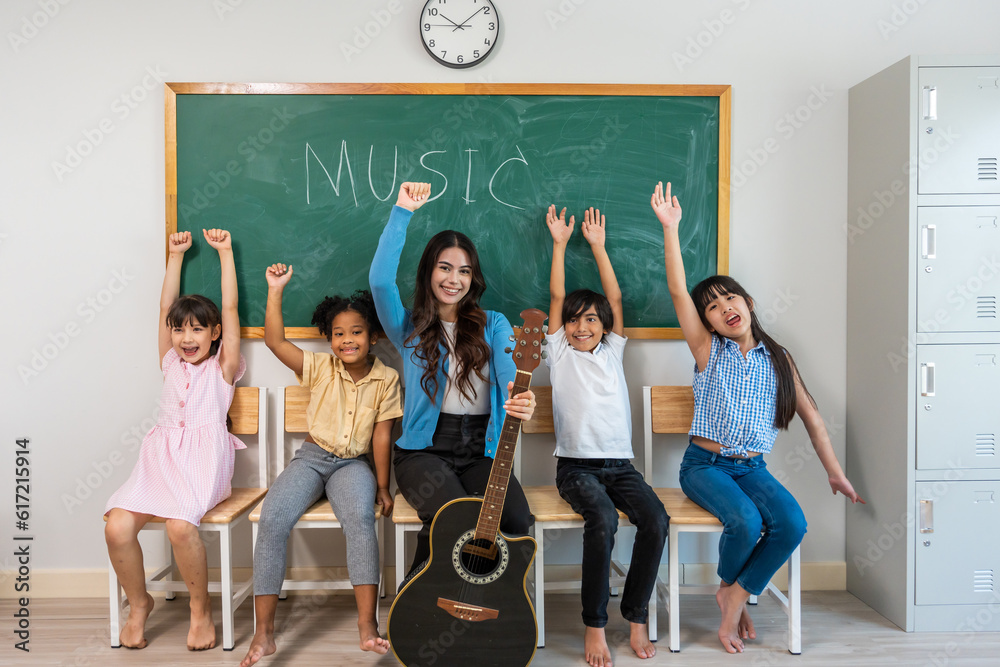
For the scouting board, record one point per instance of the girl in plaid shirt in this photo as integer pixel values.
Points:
(746, 388)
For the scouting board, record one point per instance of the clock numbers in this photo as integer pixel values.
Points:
(459, 33)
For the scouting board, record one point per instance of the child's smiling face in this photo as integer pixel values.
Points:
(585, 331)
(350, 338)
(193, 341)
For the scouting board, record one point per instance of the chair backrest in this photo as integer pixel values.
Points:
(540, 422)
(292, 401)
(248, 413)
(666, 409)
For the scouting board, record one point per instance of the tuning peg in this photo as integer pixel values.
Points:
(545, 341)
(545, 328)
(545, 355)
(511, 338)
(508, 350)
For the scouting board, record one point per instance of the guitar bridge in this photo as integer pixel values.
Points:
(467, 612)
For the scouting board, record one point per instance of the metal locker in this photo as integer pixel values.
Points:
(958, 544)
(958, 268)
(959, 137)
(958, 420)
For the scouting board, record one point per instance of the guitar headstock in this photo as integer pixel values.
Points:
(528, 346)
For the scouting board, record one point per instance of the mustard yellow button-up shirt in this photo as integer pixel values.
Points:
(342, 414)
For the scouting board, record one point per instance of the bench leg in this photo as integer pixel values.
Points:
(226, 564)
(540, 584)
(651, 623)
(115, 601)
(673, 568)
(400, 554)
(380, 536)
(169, 576)
(795, 603)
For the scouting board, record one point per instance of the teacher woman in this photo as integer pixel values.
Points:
(456, 375)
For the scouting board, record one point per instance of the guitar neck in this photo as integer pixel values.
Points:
(496, 490)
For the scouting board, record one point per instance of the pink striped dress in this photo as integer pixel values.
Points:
(185, 464)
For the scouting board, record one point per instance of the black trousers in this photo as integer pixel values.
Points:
(454, 466)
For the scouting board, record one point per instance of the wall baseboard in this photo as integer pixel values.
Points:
(92, 583)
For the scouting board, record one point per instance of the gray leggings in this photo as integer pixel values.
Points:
(350, 486)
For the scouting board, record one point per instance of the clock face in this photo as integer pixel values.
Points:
(459, 33)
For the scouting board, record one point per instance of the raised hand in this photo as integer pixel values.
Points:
(278, 275)
(218, 239)
(593, 227)
(413, 195)
(667, 208)
(557, 225)
(179, 242)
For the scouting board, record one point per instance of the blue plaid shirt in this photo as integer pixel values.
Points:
(734, 399)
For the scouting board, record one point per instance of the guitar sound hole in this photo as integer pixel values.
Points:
(480, 557)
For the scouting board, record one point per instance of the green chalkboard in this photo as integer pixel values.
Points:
(306, 174)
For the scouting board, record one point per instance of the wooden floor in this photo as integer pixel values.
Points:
(321, 630)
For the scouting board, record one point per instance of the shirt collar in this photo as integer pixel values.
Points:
(730, 343)
(377, 371)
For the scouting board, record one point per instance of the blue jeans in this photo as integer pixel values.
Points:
(747, 499)
(594, 488)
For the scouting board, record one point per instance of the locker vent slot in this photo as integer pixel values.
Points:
(986, 307)
(982, 581)
(987, 169)
(986, 444)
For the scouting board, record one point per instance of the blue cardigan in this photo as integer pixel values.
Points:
(420, 413)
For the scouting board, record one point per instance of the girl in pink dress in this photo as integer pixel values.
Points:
(185, 465)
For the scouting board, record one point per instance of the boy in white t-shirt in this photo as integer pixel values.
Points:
(593, 425)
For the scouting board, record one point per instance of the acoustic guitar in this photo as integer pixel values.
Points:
(469, 604)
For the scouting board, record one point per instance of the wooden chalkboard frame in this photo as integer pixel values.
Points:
(722, 92)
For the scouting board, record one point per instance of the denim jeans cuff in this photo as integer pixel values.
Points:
(636, 616)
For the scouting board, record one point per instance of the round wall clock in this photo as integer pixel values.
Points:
(459, 33)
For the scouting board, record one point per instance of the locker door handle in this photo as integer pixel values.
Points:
(927, 380)
(930, 103)
(926, 516)
(928, 242)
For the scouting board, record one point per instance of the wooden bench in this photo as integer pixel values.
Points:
(291, 405)
(249, 416)
(670, 410)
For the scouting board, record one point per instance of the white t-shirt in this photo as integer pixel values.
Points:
(590, 404)
(454, 403)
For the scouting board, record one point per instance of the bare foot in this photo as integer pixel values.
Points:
(639, 639)
(731, 601)
(201, 635)
(746, 629)
(371, 640)
(133, 635)
(262, 644)
(595, 647)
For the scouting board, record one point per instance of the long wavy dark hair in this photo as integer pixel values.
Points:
(784, 366)
(428, 335)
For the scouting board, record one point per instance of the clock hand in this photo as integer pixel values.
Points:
(465, 23)
(449, 20)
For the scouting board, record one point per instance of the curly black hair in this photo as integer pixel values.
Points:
(360, 302)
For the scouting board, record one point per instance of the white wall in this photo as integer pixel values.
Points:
(96, 233)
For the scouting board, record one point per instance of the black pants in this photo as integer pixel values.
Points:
(454, 466)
